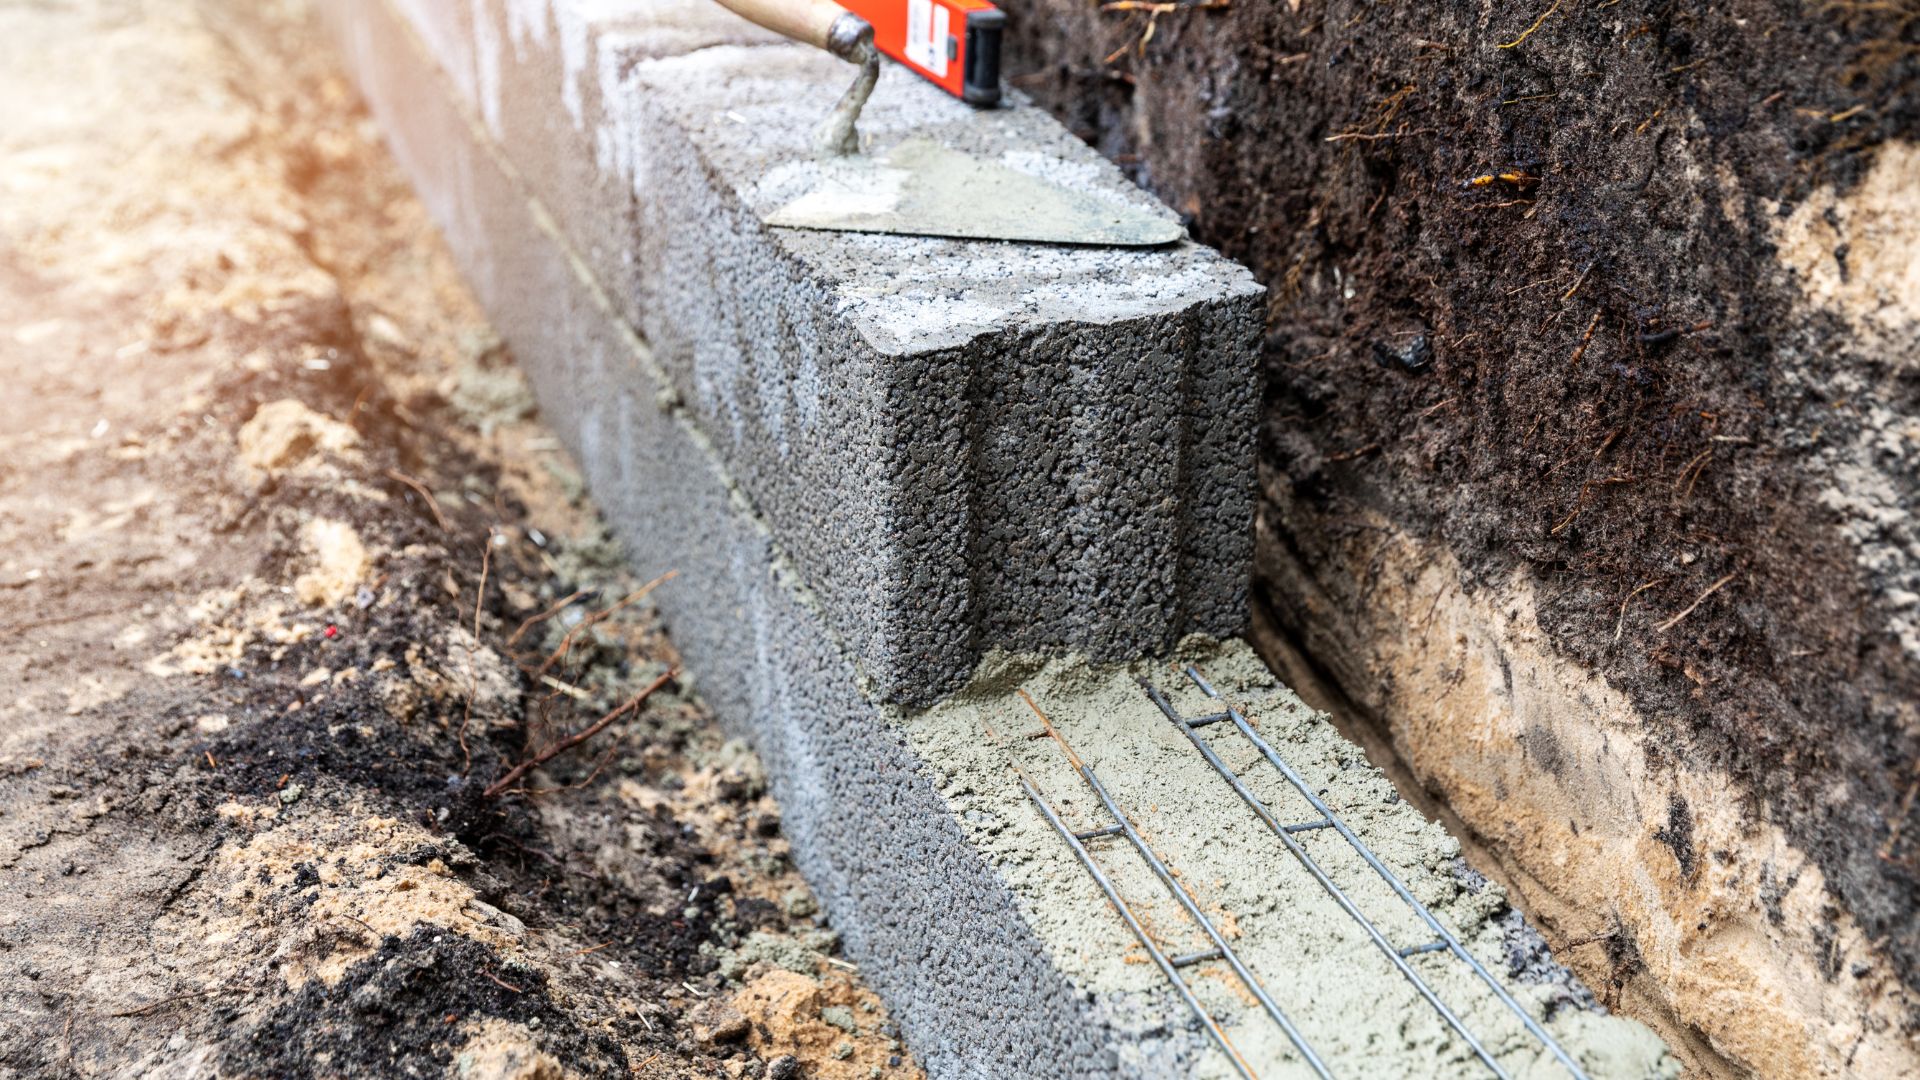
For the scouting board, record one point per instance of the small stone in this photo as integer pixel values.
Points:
(725, 1025)
(841, 1017)
(291, 793)
(383, 331)
(1412, 354)
(799, 903)
(784, 1067)
(843, 1051)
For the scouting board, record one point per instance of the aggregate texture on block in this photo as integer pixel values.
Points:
(931, 923)
(961, 444)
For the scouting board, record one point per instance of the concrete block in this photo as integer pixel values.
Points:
(960, 444)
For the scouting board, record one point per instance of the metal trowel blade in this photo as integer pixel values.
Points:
(923, 189)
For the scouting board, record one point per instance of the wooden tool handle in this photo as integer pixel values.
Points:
(807, 21)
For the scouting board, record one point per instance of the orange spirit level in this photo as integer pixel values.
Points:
(953, 43)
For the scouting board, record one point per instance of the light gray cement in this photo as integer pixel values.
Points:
(1357, 1012)
(994, 951)
(960, 444)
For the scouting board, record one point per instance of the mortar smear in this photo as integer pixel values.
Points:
(1357, 1012)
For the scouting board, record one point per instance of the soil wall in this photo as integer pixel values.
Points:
(1590, 451)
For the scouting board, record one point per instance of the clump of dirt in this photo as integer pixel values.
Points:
(285, 434)
(834, 1023)
(292, 579)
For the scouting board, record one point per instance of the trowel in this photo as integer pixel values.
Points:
(920, 188)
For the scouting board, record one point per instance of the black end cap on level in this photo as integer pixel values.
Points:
(980, 83)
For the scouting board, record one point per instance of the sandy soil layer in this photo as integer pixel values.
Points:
(291, 580)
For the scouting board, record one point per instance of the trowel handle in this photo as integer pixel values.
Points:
(820, 23)
(825, 25)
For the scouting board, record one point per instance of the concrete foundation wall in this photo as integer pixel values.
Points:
(897, 409)
(933, 925)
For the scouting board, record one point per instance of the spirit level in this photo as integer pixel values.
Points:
(955, 44)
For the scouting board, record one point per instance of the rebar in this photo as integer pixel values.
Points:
(1445, 939)
(1186, 901)
(1166, 965)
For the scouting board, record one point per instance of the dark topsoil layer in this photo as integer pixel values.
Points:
(1452, 392)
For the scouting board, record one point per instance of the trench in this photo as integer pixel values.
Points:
(1425, 675)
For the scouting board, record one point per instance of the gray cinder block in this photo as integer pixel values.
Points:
(912, 899)
(960, 444)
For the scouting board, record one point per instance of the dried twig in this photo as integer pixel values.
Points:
(1697, 462)
(535, 620)
(426, 496)
(191, 995)
(1620, 626)
(1586, 339)
(1579, 504)
(568, 689)
(599, 767)
(514, 774)
(566, 643)
(343, 915)
(1154, 9)
(1581, 280)
(1366, 136)
(473, 665)
(1688, 610)
(1529, 30)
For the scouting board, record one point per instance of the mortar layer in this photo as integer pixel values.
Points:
(1357, 1012)
(961, 444)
